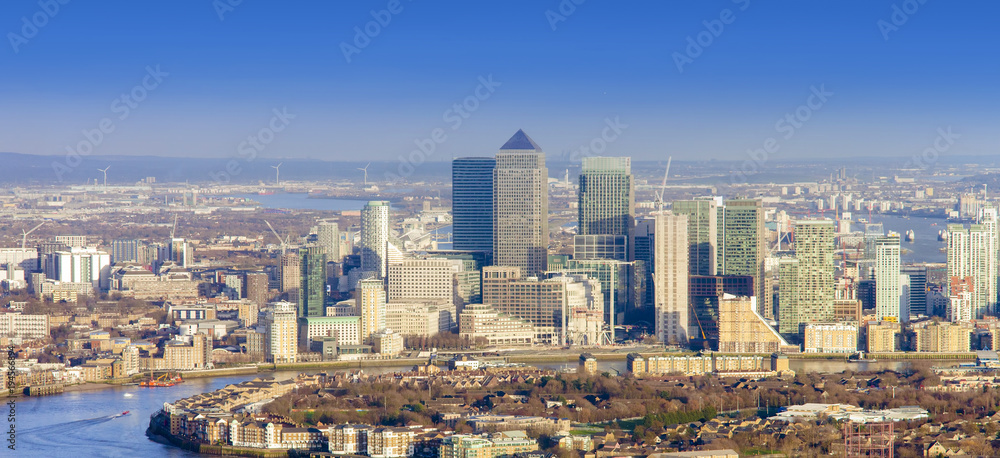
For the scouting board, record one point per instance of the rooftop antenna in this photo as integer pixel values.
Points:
(105, 171)
(24, 234)
(366, 173)
(276, 172)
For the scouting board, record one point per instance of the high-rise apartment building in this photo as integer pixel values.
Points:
(371, 306)
(888, 303)
(290, 273)
(256, 285)
(82, 265)
(915, 290)
(521, 206)
(972, 255)
(472, 203)
(703, 234)
(375, 238)
(281, 332)
(312, 277)
(125, 250)
(328, 235)
(181, 252)
(806, 283)
(607, 197)
(743, 330)
(670, 281)
(741, 246)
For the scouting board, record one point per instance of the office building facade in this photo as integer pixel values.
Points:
(521, 206)
(472, 203)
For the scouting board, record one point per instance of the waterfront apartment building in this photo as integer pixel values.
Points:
(521, 206)
(483, 321)
(806, 283)
(972, 254)
(18, 325)
(472, 203)
(840, 337)
(930, 336)
(281, 332)
(543, 303)
(883, 336)
(421, 318)
(743, 330)
(703, 233)
(671, 310)
(888, 300)
(346, 329)
(370, 297)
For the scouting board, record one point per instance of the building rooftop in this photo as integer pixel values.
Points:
(521, 140)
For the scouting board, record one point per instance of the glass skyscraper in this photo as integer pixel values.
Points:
(472, 203)
(312, 293)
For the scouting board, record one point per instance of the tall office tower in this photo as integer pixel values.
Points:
(645, 247)
(281, 333)
(670, 280)
(328, 234)
(370, 303)
(423, 279)
(256, 284)
(703, 234)
(916, 289)
(180, 252)
(125, 251)
(741, 247)
(806, 283)
(375, 238)
(521, 206)
(312, 277)
(607, 197)
(472, 203)
(972, 264)
(888, 303)
(291, 276)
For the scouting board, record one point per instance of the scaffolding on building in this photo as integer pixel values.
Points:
(869, 439)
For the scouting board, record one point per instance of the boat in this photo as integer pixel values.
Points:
(909, 235)
(164, 380)
(943, 235)
(128, 395)
(124, 413)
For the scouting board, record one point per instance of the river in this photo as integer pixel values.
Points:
(301, 201)
(925, 246)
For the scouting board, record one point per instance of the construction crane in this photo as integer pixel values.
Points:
(24, 234)
(282, 242)
(663, 187)
(173, 230)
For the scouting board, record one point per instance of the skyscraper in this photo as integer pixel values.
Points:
(376, 245)
(521, 206)
(741, 247)
(703, 234)
(281, 333)
(972, 263)
(312, 293)
(328, 234)
(607, 196)
(671, 279)
(806, 284)
(125, 250)
(916, 289)
(370, 303)
(888, 304)
(472, 203)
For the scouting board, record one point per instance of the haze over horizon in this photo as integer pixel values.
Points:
(562, 75)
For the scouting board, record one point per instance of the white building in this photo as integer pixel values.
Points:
(831, 338)
(481, 320)
(888, 303)
(972, 255)
(371, 305)
(670, 279)
(24, 326)
(420, 318)
(387, 342)
(281, 333)
(378, 247)
(347, 329)
(82, 265)
(422, 279)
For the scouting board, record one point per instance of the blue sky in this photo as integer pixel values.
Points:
(604, 60)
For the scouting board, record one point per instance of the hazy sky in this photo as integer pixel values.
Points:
(565, 71)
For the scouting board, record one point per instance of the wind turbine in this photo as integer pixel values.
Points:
(366, 172)
(24, 234)
(276, 172)
(105, 171)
